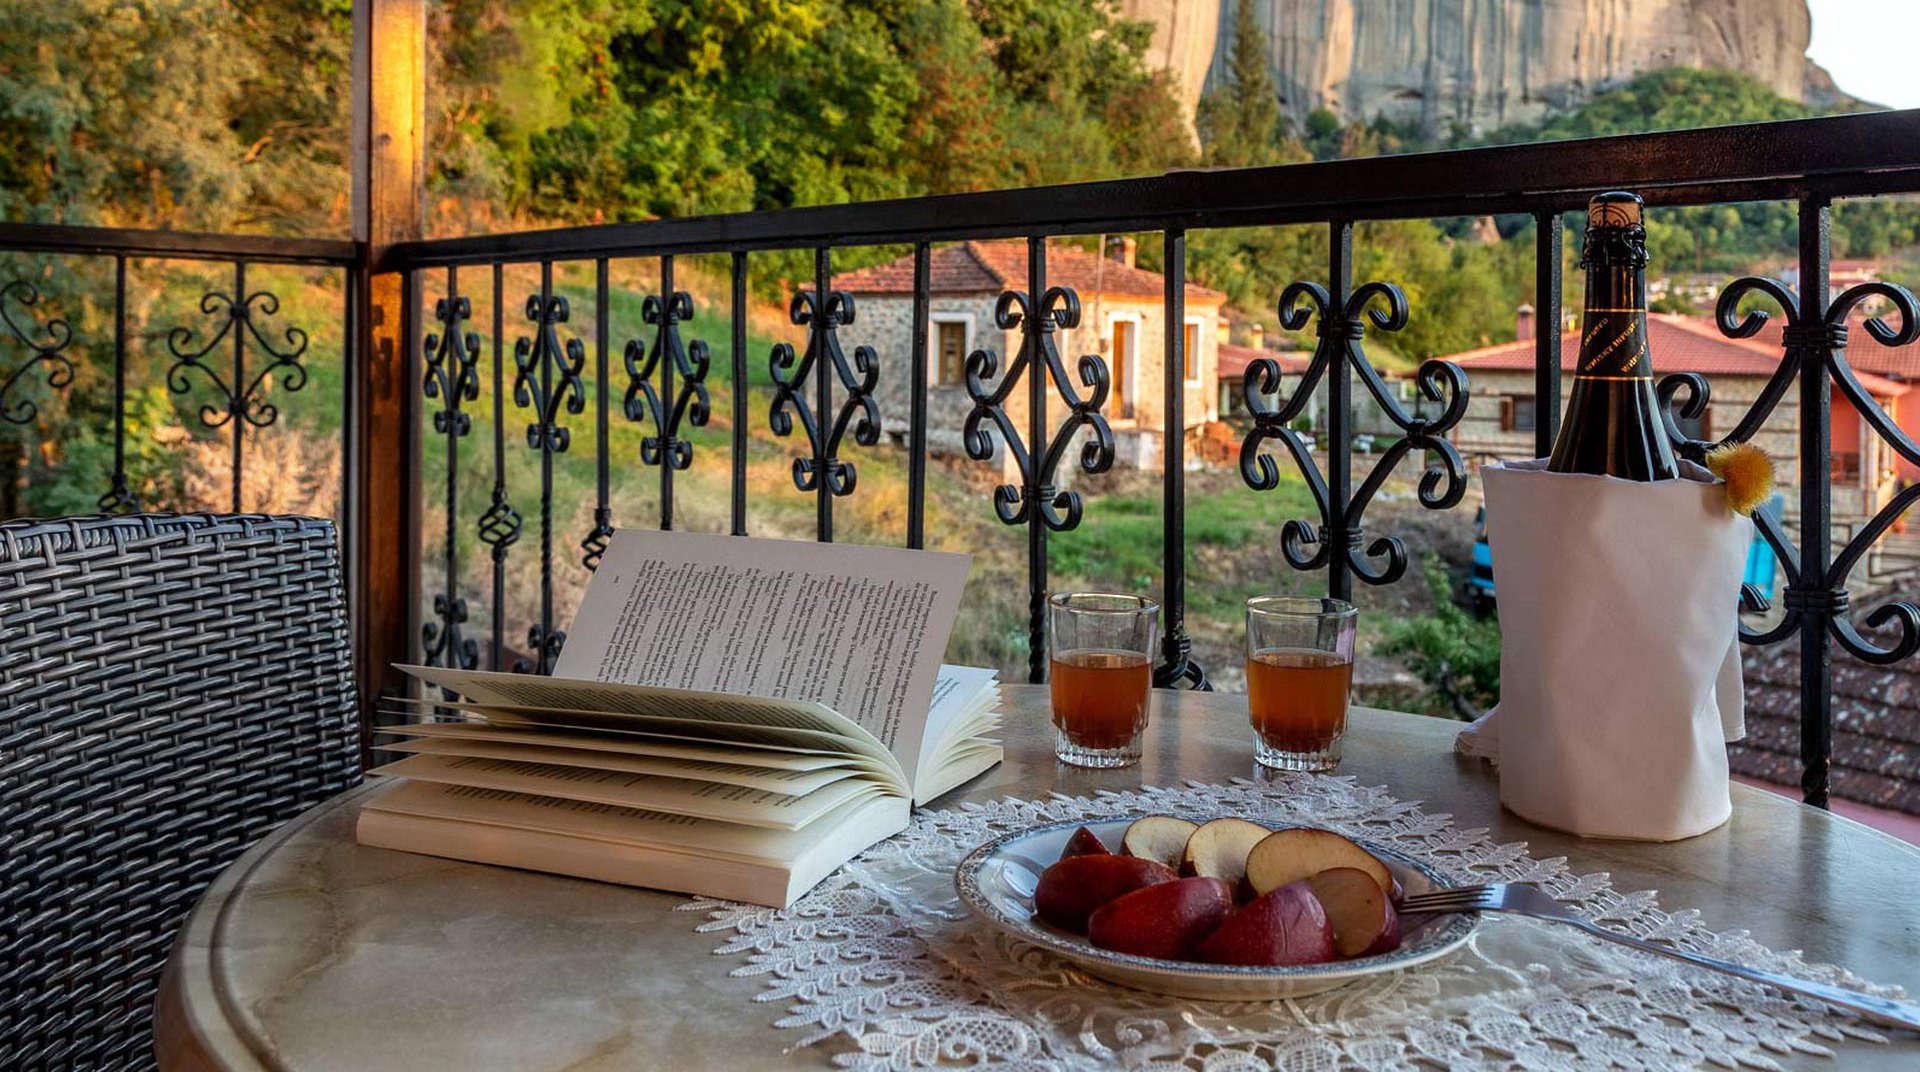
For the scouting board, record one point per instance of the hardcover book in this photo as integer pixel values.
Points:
(728, 716)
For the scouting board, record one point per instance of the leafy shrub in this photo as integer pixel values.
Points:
(1450, 649)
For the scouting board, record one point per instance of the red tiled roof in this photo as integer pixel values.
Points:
(1864, 352)
(982, 267)
(1876, 727)
(1234, 360)
(1686, 344)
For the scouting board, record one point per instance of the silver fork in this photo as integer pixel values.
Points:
(1526, 900)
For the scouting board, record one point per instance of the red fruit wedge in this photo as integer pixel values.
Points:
(1084, 842)
(1166, 920)
(1285, 926)
(1069, 891)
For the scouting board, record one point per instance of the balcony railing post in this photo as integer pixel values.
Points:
(1176, 661)
(917, 388)
(500, 523)
(119, 498)
(665, 427)
(738, 314)
(1037, 436)
(596, 542)
(1548, 233)
(822, 392)
(1339, 416)
(388, 172)
(1819, 601)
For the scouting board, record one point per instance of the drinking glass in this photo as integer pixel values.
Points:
(1299, 672)
(1101, 671)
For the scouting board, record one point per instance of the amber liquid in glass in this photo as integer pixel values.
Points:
(1298, 697)
(1100, 697)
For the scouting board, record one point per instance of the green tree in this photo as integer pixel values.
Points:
(1239, 122)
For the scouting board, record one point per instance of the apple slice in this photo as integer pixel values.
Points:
(1286, 926)
(1084, 842)
(1070, 890)
(1166, 920)
(1219, 849)
(1161, 838)
(1363, 919)
(1291, 855)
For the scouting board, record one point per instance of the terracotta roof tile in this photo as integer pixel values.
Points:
(1234, 360)
(1692, 344)
(1864, 352)
(991, 267)
(1876, 731)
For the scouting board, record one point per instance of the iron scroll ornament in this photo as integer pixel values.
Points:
(547, 380)
(1689, 393)
(1059, 309)
(858, 413)
(59, 333)
(244, 398)
(1340, 332)
(452, 375)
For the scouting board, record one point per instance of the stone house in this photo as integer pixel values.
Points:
(1121, 319)
(1501, 414)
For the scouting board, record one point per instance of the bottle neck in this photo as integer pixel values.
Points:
(1613, 336)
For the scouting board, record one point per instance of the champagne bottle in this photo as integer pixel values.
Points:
(1612, 424)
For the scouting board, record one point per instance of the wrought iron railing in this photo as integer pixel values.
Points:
(827, 402)
(225, 352)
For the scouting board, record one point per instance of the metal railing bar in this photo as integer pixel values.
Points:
(1339, 418)
(1856, 154)
(176, 245)
(1816, 551)
(917, 389)
(822, 392)
(1549, 234)
(666, 359)
(1038, 434)
(118, 496)
(1176, 664)
(504, 529)
(738, 314)
(237, 417)
(602, 506)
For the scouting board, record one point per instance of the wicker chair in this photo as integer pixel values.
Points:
(171, 688)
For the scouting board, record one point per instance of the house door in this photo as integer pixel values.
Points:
(1125, 336)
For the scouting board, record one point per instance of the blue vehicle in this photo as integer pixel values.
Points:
(1479, 588)
(1760, 570)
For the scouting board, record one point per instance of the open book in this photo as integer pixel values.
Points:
(731, 717)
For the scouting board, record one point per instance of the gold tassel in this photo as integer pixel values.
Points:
(1748, 474)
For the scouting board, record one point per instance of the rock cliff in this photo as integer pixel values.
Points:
(1483, 63)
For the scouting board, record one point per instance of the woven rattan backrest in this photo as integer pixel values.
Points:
(171, 688)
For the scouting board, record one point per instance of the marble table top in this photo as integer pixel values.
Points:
(312, 954)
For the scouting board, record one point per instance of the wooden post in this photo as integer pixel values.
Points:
(389, 183)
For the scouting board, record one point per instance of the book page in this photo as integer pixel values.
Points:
(859, 630)
(772, 756)
(671, 796)
(613, 823)
(786, 782)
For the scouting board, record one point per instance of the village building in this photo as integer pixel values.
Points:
(1121, 318)
(1503, 410)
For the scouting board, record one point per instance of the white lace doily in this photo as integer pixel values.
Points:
(883, 963)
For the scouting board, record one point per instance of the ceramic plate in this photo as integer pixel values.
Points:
(996, 882)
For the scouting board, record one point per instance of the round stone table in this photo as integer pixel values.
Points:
(311, 954)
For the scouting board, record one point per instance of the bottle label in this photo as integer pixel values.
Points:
(1614, 346)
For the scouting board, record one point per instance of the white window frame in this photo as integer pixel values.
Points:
(1199, 326)
(1130, 393)
(965, 320)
